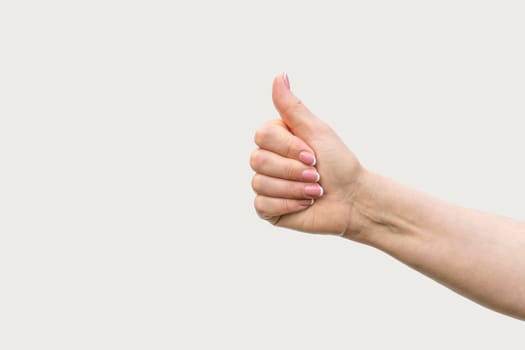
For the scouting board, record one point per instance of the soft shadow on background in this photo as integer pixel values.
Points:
(126, 216)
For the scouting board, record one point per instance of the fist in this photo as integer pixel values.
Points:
(305, 177)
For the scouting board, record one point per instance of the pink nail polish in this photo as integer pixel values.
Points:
(313, 190)
(286, 80)
(306, 202)
(307, 158)
(311, 175)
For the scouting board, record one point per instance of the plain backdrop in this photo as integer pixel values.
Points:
(126, 213)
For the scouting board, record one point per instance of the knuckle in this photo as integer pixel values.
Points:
(287, 206)
(290, 172)
(256, 183)
(258, 204)
(261, 135)
(255, 160)
(294, 107)
(290, 147)
(264, 132)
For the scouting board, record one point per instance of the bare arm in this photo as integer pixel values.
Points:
(479, 255)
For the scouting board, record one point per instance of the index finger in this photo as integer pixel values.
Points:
(275, 137)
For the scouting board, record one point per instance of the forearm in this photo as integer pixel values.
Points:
(479, 255)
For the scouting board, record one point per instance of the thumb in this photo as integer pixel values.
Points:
(294, 114)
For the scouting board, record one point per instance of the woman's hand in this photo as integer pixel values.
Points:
(292, 152)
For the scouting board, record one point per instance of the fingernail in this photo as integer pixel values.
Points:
(307, 158)
(311, 175)
(313, 190)
(306, 202)
(286, 80)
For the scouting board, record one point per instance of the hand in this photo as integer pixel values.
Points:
(286, 181)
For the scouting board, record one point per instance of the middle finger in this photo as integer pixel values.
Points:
(271, 164)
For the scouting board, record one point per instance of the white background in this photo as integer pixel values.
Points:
(126, 217)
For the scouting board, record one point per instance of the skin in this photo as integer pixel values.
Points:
(479, 255)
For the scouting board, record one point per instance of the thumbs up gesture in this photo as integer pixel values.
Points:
(305, 177)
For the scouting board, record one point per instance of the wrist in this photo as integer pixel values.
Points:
(368, 210)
